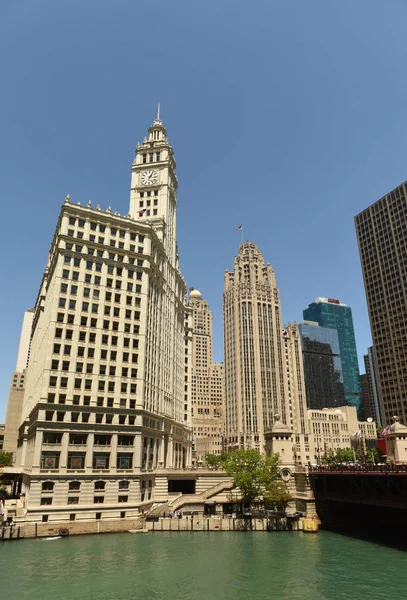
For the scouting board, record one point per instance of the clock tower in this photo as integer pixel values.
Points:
(153, 194)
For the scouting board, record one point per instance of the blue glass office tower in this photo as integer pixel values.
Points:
(331, 313)
(322, 366)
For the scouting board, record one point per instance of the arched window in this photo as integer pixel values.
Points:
(48, 486)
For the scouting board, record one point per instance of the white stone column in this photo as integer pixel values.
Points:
(89, 452)
(137, 456)
(161, 457)
(63, 458)
(37, 450)
(189, 455)
(155, 453)
(170, 453)
(113, 453)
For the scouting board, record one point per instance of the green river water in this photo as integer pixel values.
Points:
(202, 566)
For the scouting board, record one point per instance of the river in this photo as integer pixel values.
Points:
(202, 566)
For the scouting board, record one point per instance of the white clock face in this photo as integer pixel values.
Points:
(149, 177)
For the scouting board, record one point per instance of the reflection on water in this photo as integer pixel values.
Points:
(201, 566)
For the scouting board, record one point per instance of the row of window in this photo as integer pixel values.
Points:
(103, 229)
(47, 500)
(64, 365)
(80, 439)
(104, 340)
(76, 460)
(98, 515)
(87, 384)
(108, 419)
(75, 486)
(97, 266)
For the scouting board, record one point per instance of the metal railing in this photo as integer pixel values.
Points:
(358, 468)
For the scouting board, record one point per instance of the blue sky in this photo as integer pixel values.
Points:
(288, 117)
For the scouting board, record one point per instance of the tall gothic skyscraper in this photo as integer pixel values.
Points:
(206, 383)
(106, 401)
(255, 381)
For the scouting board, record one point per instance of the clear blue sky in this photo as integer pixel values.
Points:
(288, 117)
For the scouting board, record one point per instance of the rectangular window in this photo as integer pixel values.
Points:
(50, 460)
(76, 460)
(101, 460)
(124, 461)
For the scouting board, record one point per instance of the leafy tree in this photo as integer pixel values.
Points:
(344, 455)
(277, 496)
(252, 472)
(6, 459)
(341, 455)
(328, 458)
(215, 460)
(374, 455)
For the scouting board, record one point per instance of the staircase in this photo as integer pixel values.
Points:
(180, 501)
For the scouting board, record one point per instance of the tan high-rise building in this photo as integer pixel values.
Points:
(17, 385)
(106, 401)
(255, 361)
(381, 232)
(296, 396)
(23, 354)
(206, 383)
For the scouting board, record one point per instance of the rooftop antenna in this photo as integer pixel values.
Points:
(158, 112)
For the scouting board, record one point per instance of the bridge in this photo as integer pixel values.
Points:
(366, 497)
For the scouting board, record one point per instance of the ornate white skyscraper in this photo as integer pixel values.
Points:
(106, 403)
(255, 382)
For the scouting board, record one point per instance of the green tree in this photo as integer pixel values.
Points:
(344, 455)
(328, 458)
(374, 455)
(277, 496)
(6, 459)
(215, 460)
(252, 472)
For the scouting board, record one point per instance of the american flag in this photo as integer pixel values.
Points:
(142, 211)
(239, 228)
(385, 431)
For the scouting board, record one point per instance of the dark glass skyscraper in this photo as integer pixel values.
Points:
(331, 313)
(322, 366)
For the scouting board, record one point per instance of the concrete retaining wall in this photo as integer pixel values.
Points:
(74, 528)
(215, 524)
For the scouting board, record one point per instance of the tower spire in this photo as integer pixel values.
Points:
(158, 112)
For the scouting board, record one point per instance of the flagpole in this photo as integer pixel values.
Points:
(242, 236)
